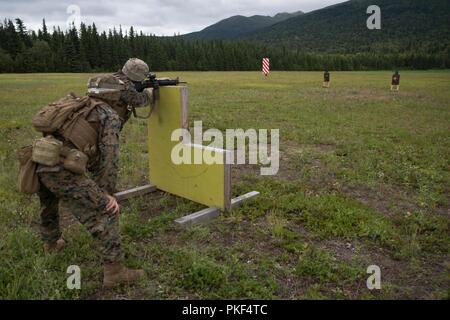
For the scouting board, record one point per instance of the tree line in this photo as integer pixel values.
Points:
(86, 49)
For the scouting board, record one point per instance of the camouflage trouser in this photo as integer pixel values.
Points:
(87, 202)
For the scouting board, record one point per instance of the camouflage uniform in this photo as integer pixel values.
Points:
(128, 97)
(83, 196)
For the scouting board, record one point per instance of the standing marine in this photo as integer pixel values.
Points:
(326, 79)
(84, 145)
(395, 83)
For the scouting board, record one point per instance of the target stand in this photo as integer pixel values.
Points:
(207, 184)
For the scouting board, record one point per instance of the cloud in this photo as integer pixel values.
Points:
(161, 17)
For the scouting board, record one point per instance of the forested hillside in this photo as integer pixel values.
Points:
(88, 50)
(406, 26)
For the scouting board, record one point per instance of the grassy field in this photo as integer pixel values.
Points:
(364, 180)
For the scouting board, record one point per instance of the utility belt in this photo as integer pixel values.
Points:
(50, 152)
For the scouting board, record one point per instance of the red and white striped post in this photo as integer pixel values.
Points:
(266, 66)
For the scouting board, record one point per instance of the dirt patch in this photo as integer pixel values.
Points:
(324, 148)
(403, 279)
(371, 95)
(153, 206)
(385, 199)
(240, 172)
(291, 156)
(288, 169)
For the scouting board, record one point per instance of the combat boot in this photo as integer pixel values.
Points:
(55, 246)
(115, 274)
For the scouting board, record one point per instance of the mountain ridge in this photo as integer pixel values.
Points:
(238, 25)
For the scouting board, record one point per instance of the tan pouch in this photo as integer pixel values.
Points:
(47, 151)
(76, 161)
(81, 134)
(105, 87)
(28, 178)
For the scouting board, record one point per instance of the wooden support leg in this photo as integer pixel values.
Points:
(212, 212)
(197, 217)
(135, 192)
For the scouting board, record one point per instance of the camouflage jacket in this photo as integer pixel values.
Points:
(128, 97)
(104, 168)
(111, 117)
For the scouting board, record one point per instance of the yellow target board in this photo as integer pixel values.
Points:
(208, 184)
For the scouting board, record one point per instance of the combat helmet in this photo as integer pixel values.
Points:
(136, 69)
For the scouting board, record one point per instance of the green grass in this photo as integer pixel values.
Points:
(364, 180)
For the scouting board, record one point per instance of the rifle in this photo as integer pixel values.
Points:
(153, 82)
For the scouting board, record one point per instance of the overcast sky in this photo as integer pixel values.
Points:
(161, 17)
